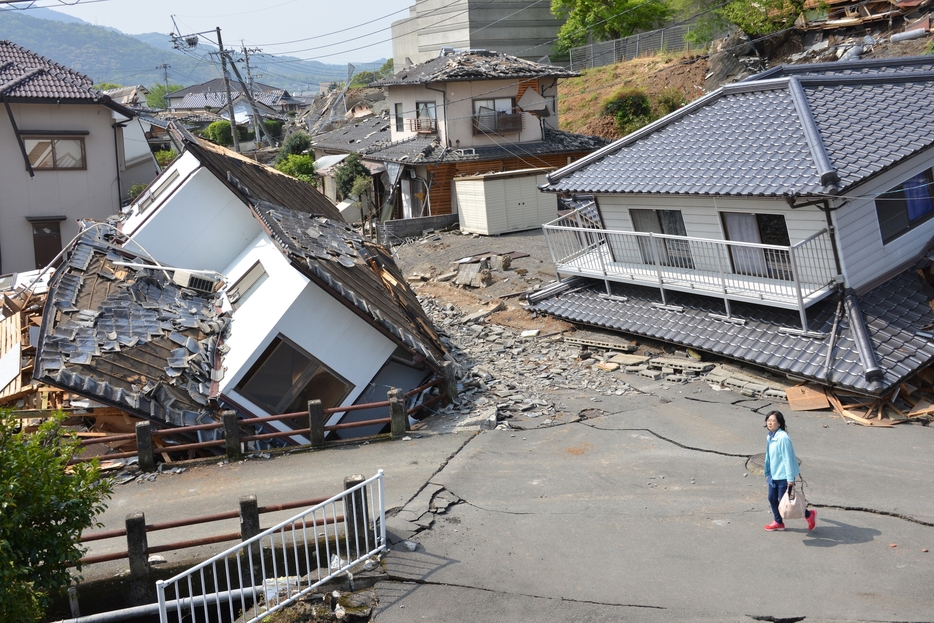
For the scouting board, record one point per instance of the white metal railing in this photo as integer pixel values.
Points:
(791, 277)
(271, 570)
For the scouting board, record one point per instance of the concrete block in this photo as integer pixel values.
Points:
(628, 360)
(775, 394)
(651, 374)
(636, 369)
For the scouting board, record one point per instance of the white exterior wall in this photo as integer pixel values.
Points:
(702, 218)
(455, 119)
(140, 163)
(74, 194)
(863, 255)
(198, 224)
(287, 303)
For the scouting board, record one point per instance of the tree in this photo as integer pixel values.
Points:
(157, 93)
(604, 20)
(387, 69)
(762, 17)
(45, 504)
(347, 173)
(299, 166)
(363, 78)
(295, 143)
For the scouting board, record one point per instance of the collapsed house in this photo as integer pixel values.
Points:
(228, 285)
(780, 221)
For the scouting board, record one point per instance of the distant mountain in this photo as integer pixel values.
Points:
(40, 13)
(107, 55)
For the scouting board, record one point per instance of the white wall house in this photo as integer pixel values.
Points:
(774, 204)
(70, 153)
(305, 323)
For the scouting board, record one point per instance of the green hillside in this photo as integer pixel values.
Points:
(107, 55)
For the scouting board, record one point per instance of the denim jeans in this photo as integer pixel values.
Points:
(776, 491)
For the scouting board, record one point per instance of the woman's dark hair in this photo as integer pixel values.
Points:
(778, 416)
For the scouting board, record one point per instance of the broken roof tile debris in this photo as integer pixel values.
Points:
(130, 337)
(473, 65)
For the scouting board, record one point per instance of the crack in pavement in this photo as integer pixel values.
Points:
(407, 580)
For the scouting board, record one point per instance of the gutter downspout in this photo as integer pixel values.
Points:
(444, 104)
(867, 356)
(117, 159)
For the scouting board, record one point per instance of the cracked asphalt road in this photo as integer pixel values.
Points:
(637, 508)
(645, 511)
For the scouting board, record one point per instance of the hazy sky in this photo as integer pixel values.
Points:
(307, 29)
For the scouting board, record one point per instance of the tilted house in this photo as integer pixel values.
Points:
(462, 113)
(275, 299)
(66, 156)
(779, 221)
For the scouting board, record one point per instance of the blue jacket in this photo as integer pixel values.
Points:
(780, 460)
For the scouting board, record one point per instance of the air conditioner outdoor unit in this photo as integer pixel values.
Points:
(199, 282)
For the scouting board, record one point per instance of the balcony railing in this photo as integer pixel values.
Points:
(497, 123)
(425, 125)
(791, 277)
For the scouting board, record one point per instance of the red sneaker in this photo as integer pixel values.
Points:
(775, 527)
(812, 519)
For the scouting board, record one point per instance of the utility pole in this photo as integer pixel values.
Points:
(249, 97)
(230, 107)
(165, 72)
(252, 90)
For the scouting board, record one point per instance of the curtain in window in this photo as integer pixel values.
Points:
(647, 221)
(918, 196)
(745, 228)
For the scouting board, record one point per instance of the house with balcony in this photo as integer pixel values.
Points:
(781, 221)
(467, 113)
(230, 285)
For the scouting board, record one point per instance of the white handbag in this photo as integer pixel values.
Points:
(793, 504)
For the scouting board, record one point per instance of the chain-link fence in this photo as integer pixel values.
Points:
(671, 39)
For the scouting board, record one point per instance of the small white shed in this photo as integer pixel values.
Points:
(497, 203)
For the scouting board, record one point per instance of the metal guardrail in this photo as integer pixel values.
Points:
(276, 567)
(609, 52)
(316, 416)
(791, 277)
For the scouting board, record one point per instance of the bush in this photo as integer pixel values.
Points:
(299, 166)
(165, 157)
(295, 143)
(669, 100)
(135, 190)
(631, 108)
(273, 127)
(219, 133)
(44, 507)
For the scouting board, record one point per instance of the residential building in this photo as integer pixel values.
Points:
(213, 95)
(523, 28)
(72, 153)
(779, 221)
(461, 113)
(244, 290)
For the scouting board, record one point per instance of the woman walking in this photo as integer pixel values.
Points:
(781, 469)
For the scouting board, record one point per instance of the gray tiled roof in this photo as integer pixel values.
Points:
(360, 274)
(27, 75)
(896, 313)
(355, 137)
(216, 86)
(473, 65)
(130, 337)
(430, 150)
(755, 138)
